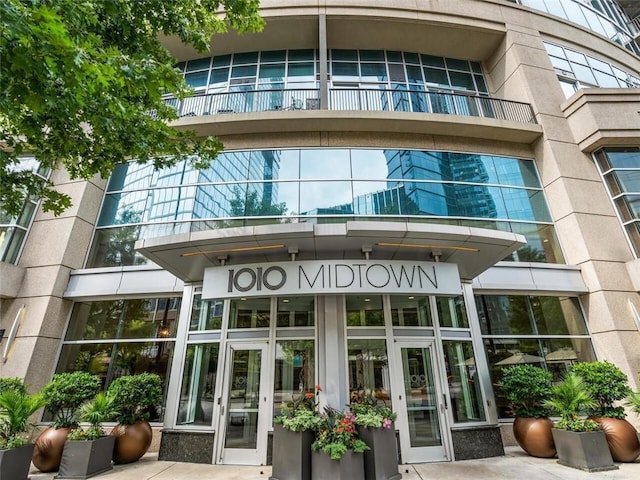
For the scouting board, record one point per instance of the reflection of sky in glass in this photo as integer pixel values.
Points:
(330, 164)
(324, 195)
(369, 164)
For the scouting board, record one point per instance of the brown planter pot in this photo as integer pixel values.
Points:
(622, 438)
(534, 436)
(47, 451)
(132, 441)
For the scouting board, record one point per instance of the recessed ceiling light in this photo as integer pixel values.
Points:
(286, 300)
(411, 298)
(367, 299)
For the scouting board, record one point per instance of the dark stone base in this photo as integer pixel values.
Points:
(480, 442)
(181, 446)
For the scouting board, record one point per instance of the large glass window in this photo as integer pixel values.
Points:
(544, 331)
(364, 311)
(121, 337)
(620, 169)
(198, 385)
(577, 70)
(368, 370)
(463, 381)
(410, 311)
(13, 229)
(295, 372)
(323, 186)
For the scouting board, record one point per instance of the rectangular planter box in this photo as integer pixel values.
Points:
(586, 451)
(381, 462)
(86, 458)
(291, 454)
(15, 462)
(349, 467)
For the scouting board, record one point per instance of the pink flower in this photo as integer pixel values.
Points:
(386, 423)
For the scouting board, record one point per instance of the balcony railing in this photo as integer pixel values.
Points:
(355, 99)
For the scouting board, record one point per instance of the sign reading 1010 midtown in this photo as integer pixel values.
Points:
(331, 277)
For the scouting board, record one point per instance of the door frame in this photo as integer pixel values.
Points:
(421, 454)
(257, 456)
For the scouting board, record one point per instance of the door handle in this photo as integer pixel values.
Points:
(222, 410)
(446, 405)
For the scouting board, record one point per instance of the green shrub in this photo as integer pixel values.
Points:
(337, 434)
(66, 392)
(135, 396)
(12, 383)
(526, 387)
(607, 384)
(370, 413)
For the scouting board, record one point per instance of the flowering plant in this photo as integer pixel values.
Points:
(337, 434)
(369, 413)
(301, 413)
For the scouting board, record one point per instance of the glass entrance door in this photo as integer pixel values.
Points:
(424, 433)
(242, 437)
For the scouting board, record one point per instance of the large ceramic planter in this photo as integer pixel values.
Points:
(381, 461)
(586, 451)
(622, 438)
(291, 454)
(349, 467)
(48, 447)
(132, 441)
(534, 436)
(15, 462)
(86, 458)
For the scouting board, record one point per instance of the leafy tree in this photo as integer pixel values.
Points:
(526, 388)
(82, 83)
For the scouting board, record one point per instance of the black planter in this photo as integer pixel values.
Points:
(349, 467)
(86, 458)
(15, 462)
(291, 454)
(586, 451)
(381, 462)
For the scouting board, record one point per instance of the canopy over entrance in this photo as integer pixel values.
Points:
(473, 249)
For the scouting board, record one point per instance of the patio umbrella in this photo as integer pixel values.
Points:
(563, 354)
(519, 358)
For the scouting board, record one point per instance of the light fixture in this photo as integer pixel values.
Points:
(413, 245)
(231, 250)
(285, 300)
(411, 297)
(367, 299)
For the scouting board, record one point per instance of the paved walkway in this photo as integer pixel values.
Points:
(514, 465)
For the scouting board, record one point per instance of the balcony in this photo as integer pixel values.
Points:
(354, 99)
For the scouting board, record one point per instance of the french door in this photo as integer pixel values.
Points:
(242, 429)
(421, 404)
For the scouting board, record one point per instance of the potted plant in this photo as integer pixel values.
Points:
(88, 453)
(579, 441)
(293, 433)
(337, 448)
(135, 397)
(608, 384)
(633, 402)
(15, 409)
(526, 387)
(375, 426)
(64, 394)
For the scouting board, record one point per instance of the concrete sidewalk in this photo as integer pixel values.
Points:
(514, 465)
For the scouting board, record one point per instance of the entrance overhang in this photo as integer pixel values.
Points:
(187, 255)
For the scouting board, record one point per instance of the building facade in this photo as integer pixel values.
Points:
(413, 195)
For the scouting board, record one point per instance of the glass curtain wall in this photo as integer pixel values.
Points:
(324, 186)
(620, 169)
(122, 337)
(544, 331)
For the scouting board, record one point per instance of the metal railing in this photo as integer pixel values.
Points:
(416, 101)
(430, 102)
(247, 101)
